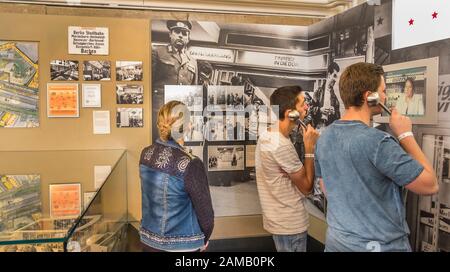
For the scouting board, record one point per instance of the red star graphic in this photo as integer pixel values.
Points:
(435, 14)
(411, 22)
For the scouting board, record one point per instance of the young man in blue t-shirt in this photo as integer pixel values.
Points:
(362, 170)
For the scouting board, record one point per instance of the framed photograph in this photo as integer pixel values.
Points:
(411, 88)
(195, 133)
(128, 70)
(195, 151)
(62, 100)
(226, 158)
(433, 212)
(21, 211)
(129, 94)
(214, 129)
(91, 95)
(96, 70)
(234, 126)
(19, 84)
(129, 117)
(250, 151)
(191, 96)
(65, 70)
(223, 97)
(65, 200)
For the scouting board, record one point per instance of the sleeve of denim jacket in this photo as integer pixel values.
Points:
(393, 162)
(197, 186)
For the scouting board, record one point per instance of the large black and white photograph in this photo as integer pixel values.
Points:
(226, 158)
(191, 96)
(94, 70)
(129, 118)
(129, 94)
(434, 211)
(129, 71)
(65, 70)
(234, 126)
(196, 130)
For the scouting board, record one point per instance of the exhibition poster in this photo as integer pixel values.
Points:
(65, 200)
(62, 100)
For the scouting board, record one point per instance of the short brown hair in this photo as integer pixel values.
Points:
(356, 80)
(285, 98)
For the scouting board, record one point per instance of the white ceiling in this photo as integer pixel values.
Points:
(304, 8)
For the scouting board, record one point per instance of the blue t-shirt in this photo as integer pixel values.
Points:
(363, 170)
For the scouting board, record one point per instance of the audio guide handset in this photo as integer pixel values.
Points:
(374, 100)
(294, 115)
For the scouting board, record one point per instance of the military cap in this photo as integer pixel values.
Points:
(171, 24)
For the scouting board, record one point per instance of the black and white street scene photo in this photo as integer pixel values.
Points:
(129, 117)
(64, 70)
(128, 70)
(97, 70)
(191, 96)
(225, 158)
(129, 94)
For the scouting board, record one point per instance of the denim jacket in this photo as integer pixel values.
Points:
(174, 192)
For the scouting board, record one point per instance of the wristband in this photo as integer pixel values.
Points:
(309, 155)
(404, 135)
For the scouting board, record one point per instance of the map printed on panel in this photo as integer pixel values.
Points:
(19, 84)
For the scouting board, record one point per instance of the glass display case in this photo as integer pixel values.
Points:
(56, 201)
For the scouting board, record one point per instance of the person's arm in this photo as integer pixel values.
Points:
(426, 182)
(197, 187)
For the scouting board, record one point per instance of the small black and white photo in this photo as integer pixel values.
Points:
(191, 96)
(129, 94)
(128, 70)
(66, 70)
(234, 126)
(96, 70)
(129, 117)
(226, 158)
(234, 98)
(217, 98)
(195, 133)
(195, 151)
(214, 128)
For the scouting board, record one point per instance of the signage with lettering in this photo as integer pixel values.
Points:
(444, 98)
(212, 54)
(286, 62)
(88, 40)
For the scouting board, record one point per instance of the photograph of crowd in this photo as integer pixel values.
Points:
(128, 70)
(221, 98)
(96, 70)
(129, 117)
(225, 158)
(64, 70)
(129, 94)
(191, 96)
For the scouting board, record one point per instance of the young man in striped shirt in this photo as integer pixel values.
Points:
(282, 180)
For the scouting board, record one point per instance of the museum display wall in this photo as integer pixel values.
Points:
(129, 40)
(363, 33)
